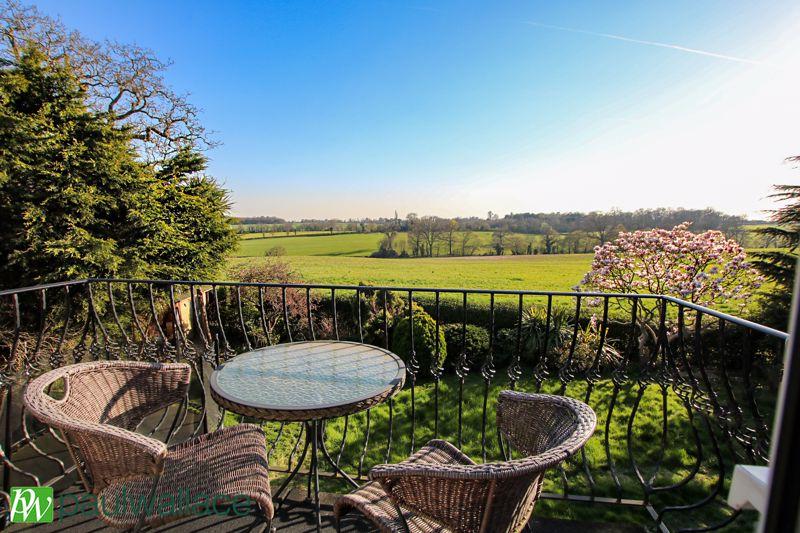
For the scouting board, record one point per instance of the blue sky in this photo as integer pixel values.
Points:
(357, 108)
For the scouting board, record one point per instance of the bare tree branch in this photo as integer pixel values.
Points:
(124, 81)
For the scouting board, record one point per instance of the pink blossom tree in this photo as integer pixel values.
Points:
(703, 268)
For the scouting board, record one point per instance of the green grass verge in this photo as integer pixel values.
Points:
(283, 234)
(558, 272)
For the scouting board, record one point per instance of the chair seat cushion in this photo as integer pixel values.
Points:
(204, 475)
(373, 502)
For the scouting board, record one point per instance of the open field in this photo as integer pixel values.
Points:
(345, 244)
(532, 272)
(342, 259)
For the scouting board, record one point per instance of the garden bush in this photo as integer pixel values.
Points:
(273, 270)
(585, 354)
(425, 340)
(476, 345)
(505, 346)
(535, 330)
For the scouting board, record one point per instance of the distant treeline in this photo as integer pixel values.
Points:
(595, 222)
(540, 223)
(259, 220)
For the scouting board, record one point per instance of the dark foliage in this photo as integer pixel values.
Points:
(430, 349)
(476, 346)
(779, 266)
(76, 202)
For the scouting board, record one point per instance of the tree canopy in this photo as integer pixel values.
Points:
(124, 81)
(703, 268)
(778, 265)
(77, 201)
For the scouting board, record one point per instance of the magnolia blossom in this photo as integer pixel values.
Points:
(702, 268)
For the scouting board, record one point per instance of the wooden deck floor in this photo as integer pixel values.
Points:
(296, 517)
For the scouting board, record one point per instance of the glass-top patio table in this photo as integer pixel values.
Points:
(308, 382)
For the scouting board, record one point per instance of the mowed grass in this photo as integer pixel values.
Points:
(346, 244)
(531, 272)
(341, 259)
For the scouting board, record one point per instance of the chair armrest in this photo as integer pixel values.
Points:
(391, 473)
(458, 495)
(452, 495)
(538, 424)
(115, 453)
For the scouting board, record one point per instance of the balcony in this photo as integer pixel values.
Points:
(682, 393)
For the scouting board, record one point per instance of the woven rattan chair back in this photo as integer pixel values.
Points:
(441, 484)
(545, 430)
(97, 405)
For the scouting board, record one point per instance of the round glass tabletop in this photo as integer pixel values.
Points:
(306, 377)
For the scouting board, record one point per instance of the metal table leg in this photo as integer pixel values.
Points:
(330, 460)
(294, 472)
(315, 440)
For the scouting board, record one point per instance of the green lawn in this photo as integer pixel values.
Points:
(341, 259)
(645, 446)
(530, 272)
(282, 234)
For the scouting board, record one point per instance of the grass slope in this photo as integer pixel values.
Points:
(341, 259)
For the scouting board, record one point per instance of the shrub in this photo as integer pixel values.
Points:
(385, 253)
(476, 345)
(505, 346)
(373, 329)
(372, 314)
(586, 350)
(535, 331)
(424, 340)
(275, 251)
(272, 270)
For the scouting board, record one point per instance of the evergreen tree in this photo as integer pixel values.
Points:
(76, 202)
(779, 265)
(193, 232)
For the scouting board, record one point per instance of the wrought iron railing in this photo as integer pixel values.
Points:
(682, 392)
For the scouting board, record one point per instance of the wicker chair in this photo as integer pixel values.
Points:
(440, 489)
(102, 405)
